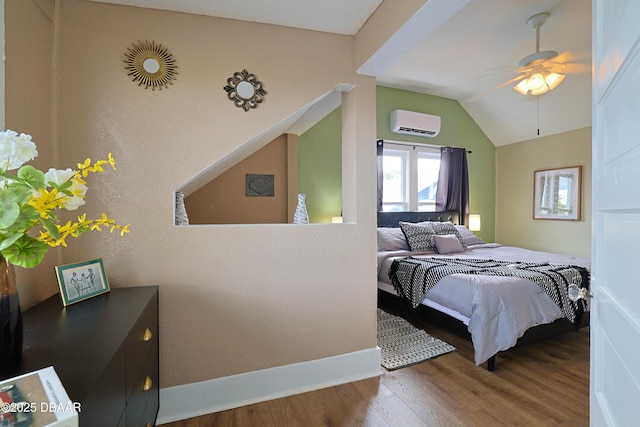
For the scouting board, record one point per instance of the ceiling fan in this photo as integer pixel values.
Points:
(539, 72)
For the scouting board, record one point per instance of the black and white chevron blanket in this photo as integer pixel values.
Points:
(413, 277)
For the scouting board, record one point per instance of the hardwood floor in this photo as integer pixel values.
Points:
(540, 384)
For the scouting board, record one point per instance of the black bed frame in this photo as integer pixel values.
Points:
(392, 219)
(423, 314)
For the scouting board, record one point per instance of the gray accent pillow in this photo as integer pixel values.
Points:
(444, 228)
(448, 243)
(419, 235)
(468, 237)
(391, 239)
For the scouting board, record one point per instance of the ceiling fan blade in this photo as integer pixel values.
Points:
(577, 68)
(567, 68)
(582, 57)
(559, 67)
(554, 66)
(493, 89)
(572, 57)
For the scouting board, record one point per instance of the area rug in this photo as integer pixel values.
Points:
(404, 345)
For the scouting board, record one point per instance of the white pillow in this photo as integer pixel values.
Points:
(447, 243)
(391, 239)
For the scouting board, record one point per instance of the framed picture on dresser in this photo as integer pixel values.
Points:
(81, 281)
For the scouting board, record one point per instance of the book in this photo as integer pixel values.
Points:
(37, 399)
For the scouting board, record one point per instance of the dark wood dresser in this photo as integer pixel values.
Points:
(105, 351)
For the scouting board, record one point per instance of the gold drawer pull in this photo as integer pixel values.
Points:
(147, 384)
(147, 335)
(148, 425)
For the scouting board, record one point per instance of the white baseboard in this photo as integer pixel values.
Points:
(195, 399)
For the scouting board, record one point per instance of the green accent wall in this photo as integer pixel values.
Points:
(320, 154)
(458, 130)
(320, 167)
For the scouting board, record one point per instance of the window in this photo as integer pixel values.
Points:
(410, 177)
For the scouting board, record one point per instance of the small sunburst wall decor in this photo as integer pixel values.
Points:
(150, 65)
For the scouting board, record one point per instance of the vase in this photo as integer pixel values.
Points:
(10, 316)
(301, 216)
(181, 211)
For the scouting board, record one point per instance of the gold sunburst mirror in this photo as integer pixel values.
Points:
(244, 90)
(150, 65)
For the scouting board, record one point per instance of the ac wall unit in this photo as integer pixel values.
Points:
(412, 123)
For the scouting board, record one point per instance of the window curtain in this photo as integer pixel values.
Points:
(453, 182)
(379, 147)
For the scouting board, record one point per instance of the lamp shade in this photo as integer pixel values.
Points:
(539, 83)
(474, 222)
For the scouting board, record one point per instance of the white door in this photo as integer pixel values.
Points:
(615, 319)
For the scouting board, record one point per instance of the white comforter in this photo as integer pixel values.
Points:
(497, 310)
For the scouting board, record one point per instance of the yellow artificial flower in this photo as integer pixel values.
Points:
(125, 230)
(111, 161)
(97, 167)
(78, 177)
(84, 167)
(46, 201)
(29, 198)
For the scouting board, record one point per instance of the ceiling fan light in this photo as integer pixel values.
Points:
(521, 87)
(539, 83)
(540, 90)
(553, 80)
(535, 82)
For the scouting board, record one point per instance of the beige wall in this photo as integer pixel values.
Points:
(28, 108)
(233, 298)
(515, 165)
(224, 200)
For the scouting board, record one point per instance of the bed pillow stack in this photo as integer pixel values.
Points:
(420, 235)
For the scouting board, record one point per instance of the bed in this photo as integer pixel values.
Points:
(498, 296)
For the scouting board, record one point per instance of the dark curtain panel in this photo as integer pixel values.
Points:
(453, 182)
(379, 147)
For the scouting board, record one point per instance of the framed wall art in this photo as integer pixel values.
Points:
(81, 281)
(260, 185)
(557, 193)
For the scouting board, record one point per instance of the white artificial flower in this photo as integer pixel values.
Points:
(59, 177)
(16, 150)
(73, 203)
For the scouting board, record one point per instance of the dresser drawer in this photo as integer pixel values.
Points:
(142, 406)
(151, 413)
(142, 341)
(105, 403)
